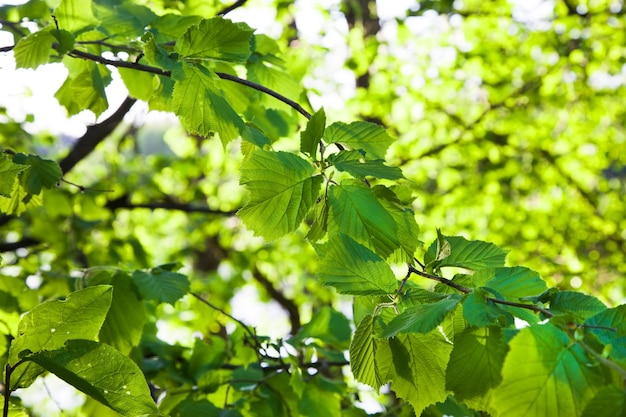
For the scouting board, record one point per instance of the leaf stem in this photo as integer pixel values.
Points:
(606, 362)
(532, 307)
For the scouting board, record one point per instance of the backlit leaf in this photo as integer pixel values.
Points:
(282, 190)
(354, 269)
(75, 15)
(363, 353)
(421, 318)
(201, 106)
(40, 173)
(9, 172)
(474, 254)
(354, 163)
(370, 137)
(34, 50)
(311, 136)
(545, 374)
(216, 38)
(355, 211)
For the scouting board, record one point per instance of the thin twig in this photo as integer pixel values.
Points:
(286, 303)
(232, 7)
(603, 360)
(230, 316)
(532, 307)
(443, 280)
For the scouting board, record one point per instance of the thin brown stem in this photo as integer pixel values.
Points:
(443, 280)
(532, 307)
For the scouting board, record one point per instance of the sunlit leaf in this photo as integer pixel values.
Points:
(216, 38)
(75, 15)
(9, 172)
(311, 136)
(371, 138)
(545, 374)
(354, 163)
(421, 318)
(201, 106)
(468, 254)
(355, 211)
(354, 269)
(41, 172)
(34, 50)
(282, 190)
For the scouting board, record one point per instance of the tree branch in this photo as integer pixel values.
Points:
(232, 7)
(13, 246)
(123, 203)
(286, 303)
(94, 135)
(154, 70)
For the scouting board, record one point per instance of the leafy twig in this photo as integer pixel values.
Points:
(532, 307)
(232, 7)
(603, 360)
(123, 203)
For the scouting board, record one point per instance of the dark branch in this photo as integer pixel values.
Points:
(123, 203)
(13, 246)
(532, 307)
(286, 303)
(94, 135)
(232, 7)
(75, 53)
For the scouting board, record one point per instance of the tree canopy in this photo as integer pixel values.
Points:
(317, 209)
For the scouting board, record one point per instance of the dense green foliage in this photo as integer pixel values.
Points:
(136, 258)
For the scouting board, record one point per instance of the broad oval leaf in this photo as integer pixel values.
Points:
(49, 325)
(216, 38)
(545, 375)
(370, 137)
(355, 211)
(101, 372)
(354, 269)
(421, 318)
(282, 190)
(470, 254)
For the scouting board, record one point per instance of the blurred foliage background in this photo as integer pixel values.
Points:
(509, 118)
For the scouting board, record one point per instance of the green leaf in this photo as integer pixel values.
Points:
(195, 407)
(276, 79)
(282, 191)
(84, 87)
(371, 138)
(247, 379)
(65, 39)
(475, 362)
(41, 172)
(474, 254)
(33, 50)
(9, 172)
(417, 373)
(312, 135)
(354, 269)
(101, 372)
(319, 402)
(328, 325)
(609, 401)
(354, 163)
(161, 284)
(421, 318)
(614, 332)
(511, 283)
(125, 320)
(404, 217)
(49, 325)
(355, 211)
(216, 38)
(545, 374)
(202, 107)
(75, 15)
(575, 306)
(479, 311)
(320, 223)
(364, 353)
